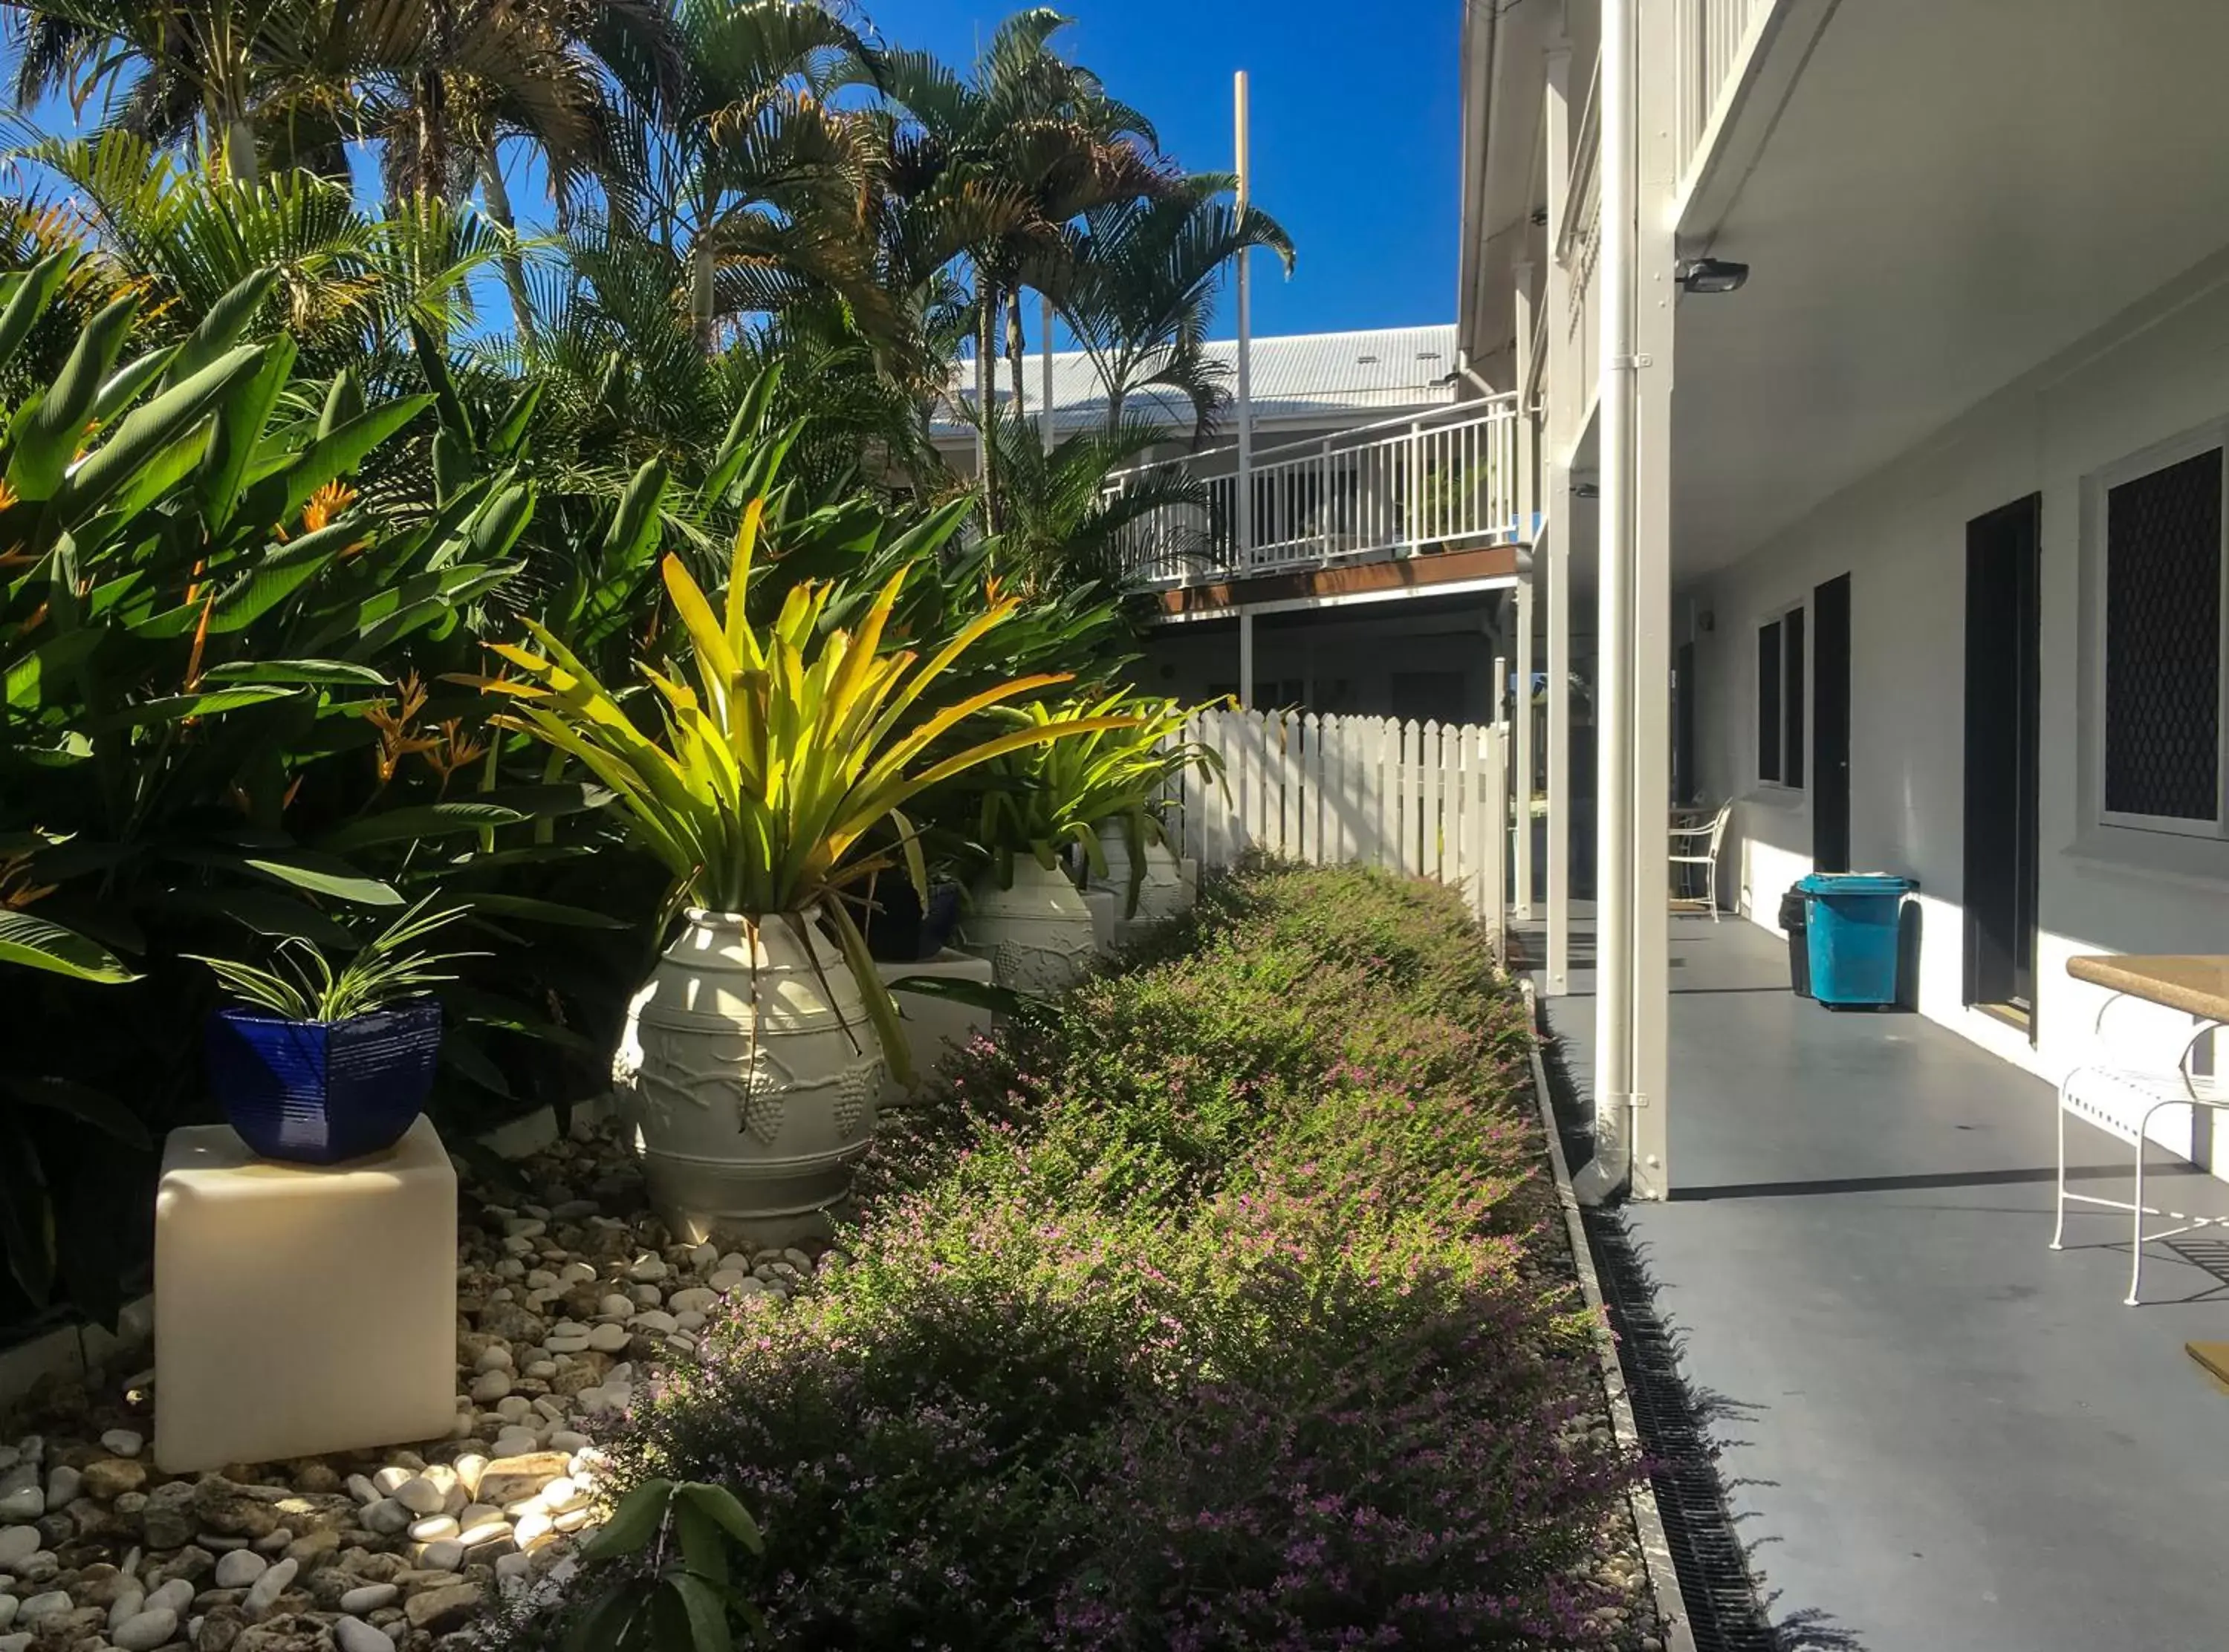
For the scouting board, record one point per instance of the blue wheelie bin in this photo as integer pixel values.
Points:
(1853, 930)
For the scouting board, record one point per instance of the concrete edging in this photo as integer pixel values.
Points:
(1647, 1518)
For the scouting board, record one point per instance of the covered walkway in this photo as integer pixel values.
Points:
(1935, 1434)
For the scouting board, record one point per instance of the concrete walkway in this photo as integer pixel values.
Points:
(1937, 1435)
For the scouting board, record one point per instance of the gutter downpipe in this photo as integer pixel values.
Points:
(1611, 1167)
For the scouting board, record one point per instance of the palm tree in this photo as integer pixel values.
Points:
(1064, 528)
(742, 168)
(173, 74)
(1001, 161)
(1137, 287)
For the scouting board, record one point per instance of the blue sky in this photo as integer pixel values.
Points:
(1355, 130)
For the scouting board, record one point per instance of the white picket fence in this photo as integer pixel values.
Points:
(1430, 799)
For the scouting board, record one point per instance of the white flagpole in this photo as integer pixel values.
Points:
(1243, 521)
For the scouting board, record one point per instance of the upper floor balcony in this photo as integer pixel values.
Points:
(1441, 481)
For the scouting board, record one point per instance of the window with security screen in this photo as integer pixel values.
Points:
(2162, 710)
(1781, 700)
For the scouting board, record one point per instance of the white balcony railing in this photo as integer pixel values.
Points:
(1439, 481)
(1714, 43)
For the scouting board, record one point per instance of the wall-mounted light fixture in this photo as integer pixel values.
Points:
(1713, 275)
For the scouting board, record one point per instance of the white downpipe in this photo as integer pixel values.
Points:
(1242, 516)
(1611, 1165)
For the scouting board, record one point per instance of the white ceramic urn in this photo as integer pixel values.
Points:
(1038, 933)
(751, 1074)
(1163, 893)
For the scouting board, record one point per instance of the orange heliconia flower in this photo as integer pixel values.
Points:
(326, 504)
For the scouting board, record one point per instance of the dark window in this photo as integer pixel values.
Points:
(1768, 701)
(2163, 642)
(1792, 701)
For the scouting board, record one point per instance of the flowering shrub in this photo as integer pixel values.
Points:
(1213, 1311)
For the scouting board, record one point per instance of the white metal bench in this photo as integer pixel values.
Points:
(2123, 1100)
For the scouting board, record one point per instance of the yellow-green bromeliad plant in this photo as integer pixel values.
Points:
(761, 789)
(1045, 797)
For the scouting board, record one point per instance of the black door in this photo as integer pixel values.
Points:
(1684, 779)
(1830, 726)
(2003, 569)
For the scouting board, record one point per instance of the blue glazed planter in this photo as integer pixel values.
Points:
(317, 1092)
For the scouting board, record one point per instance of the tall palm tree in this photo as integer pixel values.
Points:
(1137, 288)
(1006, 156)
(742, 167)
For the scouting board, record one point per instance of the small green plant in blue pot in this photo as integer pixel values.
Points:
(320, 1065)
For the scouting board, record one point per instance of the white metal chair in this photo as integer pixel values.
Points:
(1707, 837)
(2110, 1096)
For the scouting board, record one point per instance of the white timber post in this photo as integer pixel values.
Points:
(1657, 176)
(1044, 410)
(1520, 754)
(1242, 516)
(1615, 1102)
(1556, 500)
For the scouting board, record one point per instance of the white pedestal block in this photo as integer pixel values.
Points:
(933, 1026)
(302, 1310)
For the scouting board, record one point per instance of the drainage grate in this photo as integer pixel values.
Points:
(1723, 1611)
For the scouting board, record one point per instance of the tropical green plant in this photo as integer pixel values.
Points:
(1067, 526)
(1044, 799)
(1136, 286)
(659, 1572)
(992, 166)
(796, 746)
(301, 984)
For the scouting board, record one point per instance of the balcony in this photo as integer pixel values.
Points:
(1420, 485)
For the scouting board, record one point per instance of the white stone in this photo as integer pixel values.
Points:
(386, 1517)
(273, 1541)
(361, 1489)
(514, 1408)
(17, 1544)
(125, 1607)
(370, 1597)
(178, 1595)
(575, 1273)
(239, 1568)
(574, 1519)
(692, 1321)
(616, 1305)
(605, 1339)
(63, 1486)
(563, 1493)
(420, 1495)
(354, 1634)
(566, 1342)
(146, 1631)
(446, 1554)
(367, 1358)
(654, 1321)
(517, 1445)
(432, 1528)
(23, 1506)
(696, 1299)
(729, 1279)
(266, 1588)
(495, 1357)
(9, 1607)
(391, 1480)
(468, 1468)
(21, 1641)
(565, 1439)
(490, 1387)
(648, 1269)
(535, 1526)
(45, 1606)
(123, 1442)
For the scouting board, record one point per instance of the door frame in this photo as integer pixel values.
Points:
(2003, 585)
(1830, 725)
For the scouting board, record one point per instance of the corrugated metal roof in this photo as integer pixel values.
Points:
(1295, 377)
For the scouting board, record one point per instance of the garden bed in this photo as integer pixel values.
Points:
(1224, 1307)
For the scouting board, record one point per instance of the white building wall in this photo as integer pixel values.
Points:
(2156, 373)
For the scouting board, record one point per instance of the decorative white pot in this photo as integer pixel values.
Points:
(1038, 934)
(751, 1077)
(1164, 893)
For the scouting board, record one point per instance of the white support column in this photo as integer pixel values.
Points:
(1556, 501)
(1557, 569)
(1242, 548)
(1656, 292)
(1520, 751)
(1615, 696)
